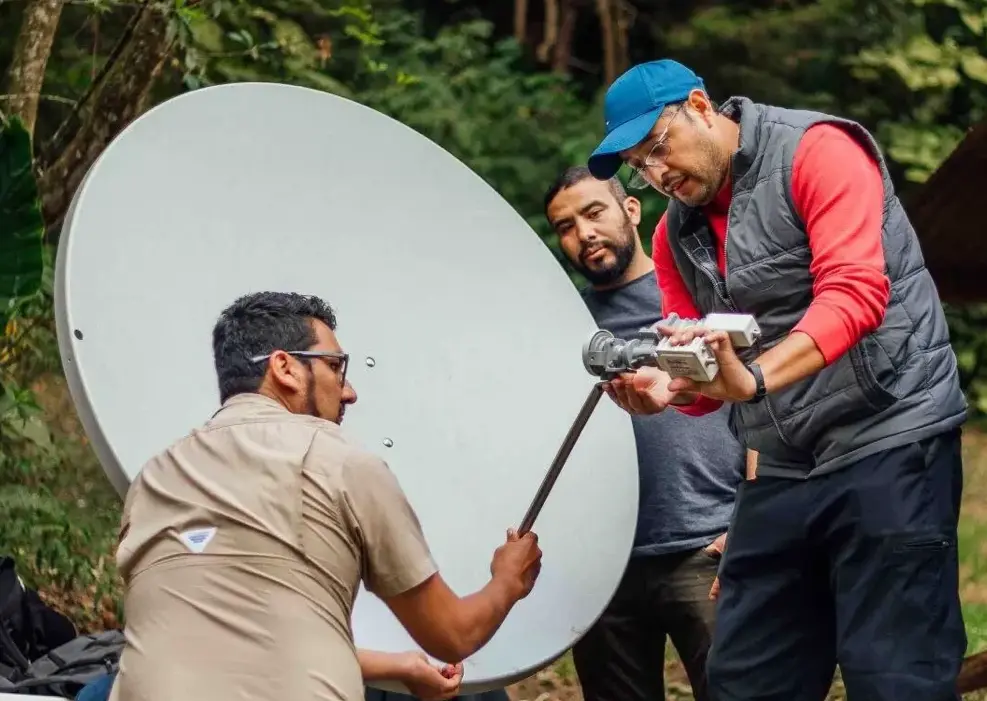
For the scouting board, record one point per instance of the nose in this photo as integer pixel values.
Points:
(349, 394)
(585, 231)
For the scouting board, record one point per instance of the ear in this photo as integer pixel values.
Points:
(285, 372)
(700, 103)
(632, 206)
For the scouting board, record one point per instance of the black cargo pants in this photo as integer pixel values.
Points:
(622, 656)
(858, 567)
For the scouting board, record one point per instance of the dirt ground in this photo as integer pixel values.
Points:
(560, 684)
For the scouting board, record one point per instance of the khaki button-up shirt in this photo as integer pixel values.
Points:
(242, 547)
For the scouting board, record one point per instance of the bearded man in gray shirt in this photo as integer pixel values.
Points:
(689, 467)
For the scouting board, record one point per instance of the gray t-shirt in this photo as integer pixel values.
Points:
(690, 466)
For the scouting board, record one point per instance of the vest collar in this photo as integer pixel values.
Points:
(743, 111)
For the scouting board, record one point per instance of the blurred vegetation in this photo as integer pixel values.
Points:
(513, 89)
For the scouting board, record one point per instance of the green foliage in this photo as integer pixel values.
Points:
(59, 512)
(21, 226)
(301, 42)
(763, 52)
(932, 60)
(60, 515)
(517, 130)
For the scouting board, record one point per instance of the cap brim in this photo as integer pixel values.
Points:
(605, 161)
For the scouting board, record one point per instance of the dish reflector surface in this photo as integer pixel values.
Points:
(464, 332)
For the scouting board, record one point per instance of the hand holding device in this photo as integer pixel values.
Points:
(680, 347)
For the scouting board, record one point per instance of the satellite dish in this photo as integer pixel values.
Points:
(464, 331)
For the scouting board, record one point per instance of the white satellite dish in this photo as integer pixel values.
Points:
(474, 331)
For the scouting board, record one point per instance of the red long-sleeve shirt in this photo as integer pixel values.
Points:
(839, 194)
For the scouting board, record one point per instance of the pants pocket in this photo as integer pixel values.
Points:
(900, 626)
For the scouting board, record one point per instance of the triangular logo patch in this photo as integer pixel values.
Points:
(197, 539)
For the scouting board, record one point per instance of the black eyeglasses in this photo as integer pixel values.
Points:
(343, 359)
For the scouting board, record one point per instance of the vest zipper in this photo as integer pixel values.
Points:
(727, 300)
(707, 272)
(726, 267)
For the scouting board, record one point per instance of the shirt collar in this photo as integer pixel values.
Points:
(244, 399)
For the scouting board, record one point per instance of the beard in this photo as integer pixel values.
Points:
(623, 254)
(311, 407)
(707, 176)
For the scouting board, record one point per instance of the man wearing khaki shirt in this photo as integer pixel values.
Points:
(242, 546)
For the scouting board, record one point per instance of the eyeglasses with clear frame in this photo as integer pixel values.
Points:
(343, 359)
(658, 153)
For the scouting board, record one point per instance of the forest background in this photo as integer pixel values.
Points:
(513, 88)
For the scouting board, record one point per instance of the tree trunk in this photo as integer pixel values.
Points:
(146, 100)
(563, 45)
(521, 21)
(27, 68)
(625, 16)
(114, 103)
(605, 13)
(550, 35)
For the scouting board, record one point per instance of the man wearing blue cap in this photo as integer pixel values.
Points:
(842, 550)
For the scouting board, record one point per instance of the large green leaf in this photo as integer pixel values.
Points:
(21, 225)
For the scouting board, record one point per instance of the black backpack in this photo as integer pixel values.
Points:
(29, 628)
(40, 651)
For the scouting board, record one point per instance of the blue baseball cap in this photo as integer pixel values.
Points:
(632, 106)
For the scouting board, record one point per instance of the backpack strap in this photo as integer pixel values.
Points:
(14, 653)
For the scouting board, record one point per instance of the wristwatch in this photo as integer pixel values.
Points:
(759, 390)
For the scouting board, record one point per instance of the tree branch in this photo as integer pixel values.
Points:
(115, 102)
(50, 98)
(31, 52)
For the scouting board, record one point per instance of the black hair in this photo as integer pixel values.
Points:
(258, 324)
(576, 174)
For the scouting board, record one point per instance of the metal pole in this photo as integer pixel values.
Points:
(559, 462)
